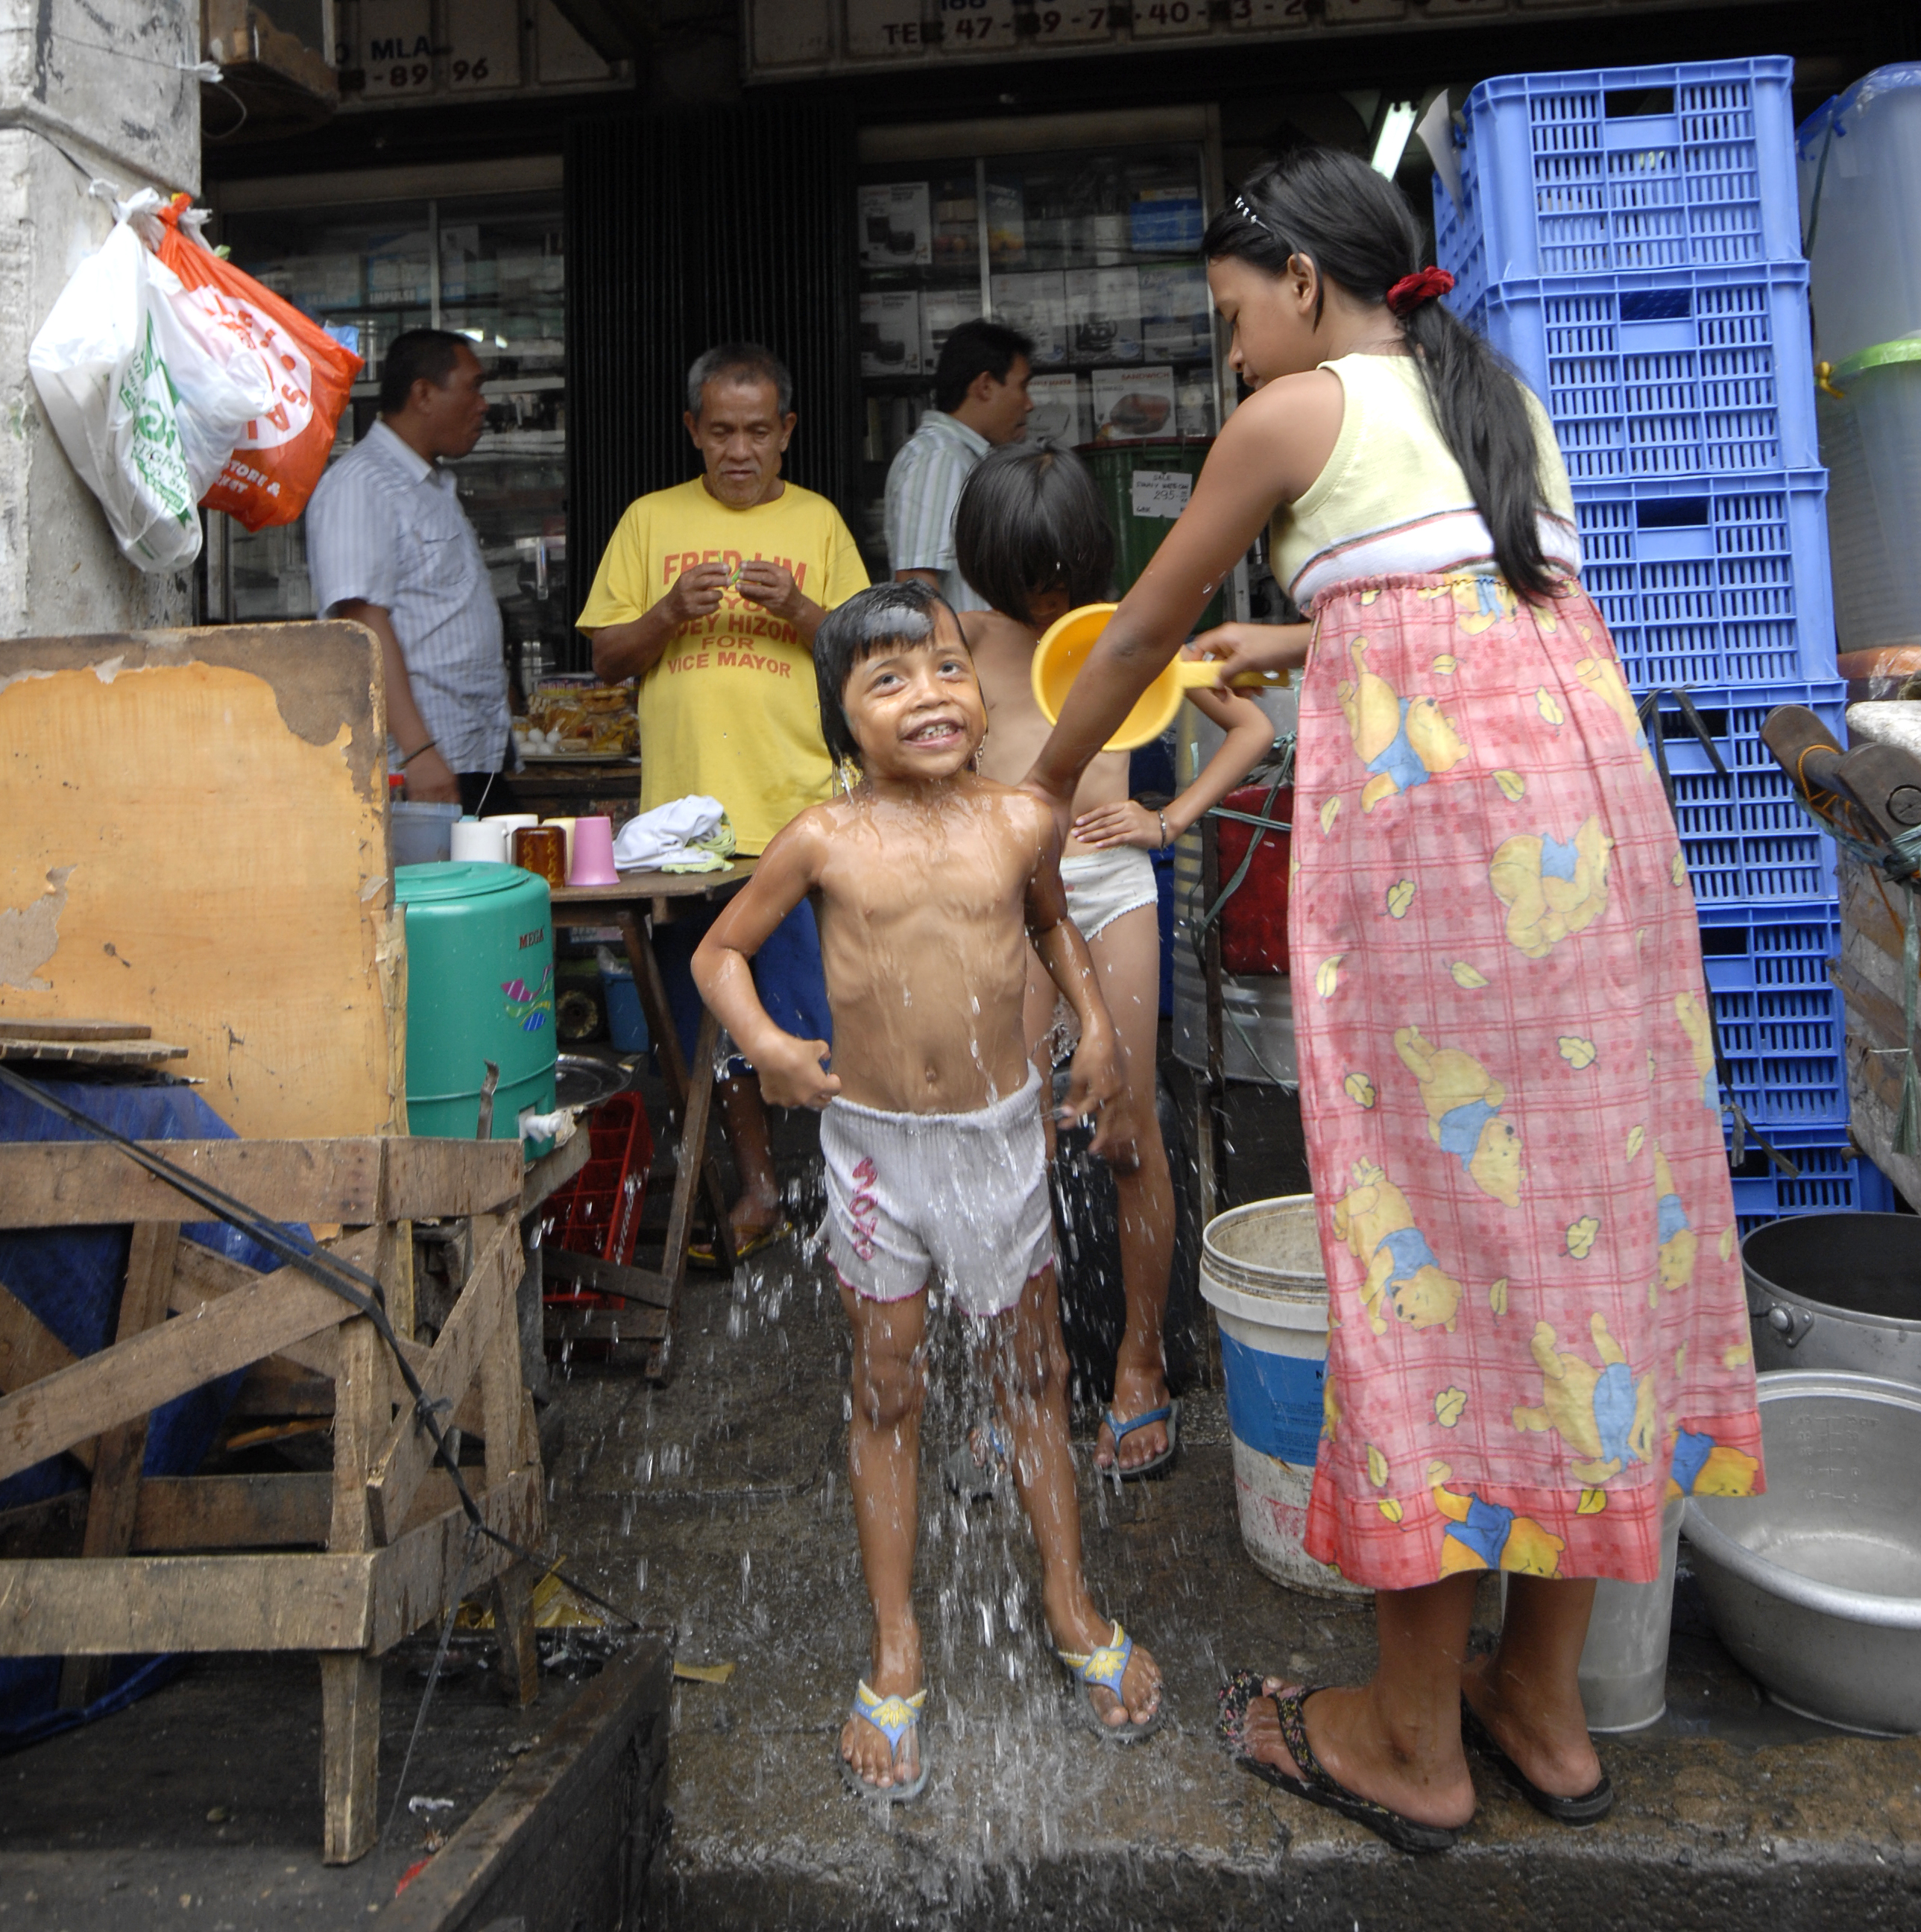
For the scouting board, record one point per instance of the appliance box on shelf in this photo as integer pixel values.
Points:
(1037, 305)
(1060, 409)
(1129, 404)
(942, 311)
(1104, 309)
(1175, 323)
(890, 332)
(897, 226)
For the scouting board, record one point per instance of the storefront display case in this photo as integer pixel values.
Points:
(1083, 233)
(490, 267)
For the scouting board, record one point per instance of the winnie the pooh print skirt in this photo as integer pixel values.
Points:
(1538, 1332)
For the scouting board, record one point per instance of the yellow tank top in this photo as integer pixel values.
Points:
(1391, 499)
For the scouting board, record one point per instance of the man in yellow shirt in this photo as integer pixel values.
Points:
(710, 593)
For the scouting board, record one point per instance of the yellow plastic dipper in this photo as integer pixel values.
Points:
(1064, 649)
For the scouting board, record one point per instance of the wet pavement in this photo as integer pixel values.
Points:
(718, 1506)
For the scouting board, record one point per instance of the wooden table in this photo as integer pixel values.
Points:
(651, 1298)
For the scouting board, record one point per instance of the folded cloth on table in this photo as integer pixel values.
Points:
(689, 834)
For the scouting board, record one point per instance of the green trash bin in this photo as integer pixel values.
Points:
(480, 987)
(1142, 486)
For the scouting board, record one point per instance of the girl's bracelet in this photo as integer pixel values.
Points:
(1162, 817)
(417, 751)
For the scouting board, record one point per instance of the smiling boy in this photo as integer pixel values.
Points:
(928, 881)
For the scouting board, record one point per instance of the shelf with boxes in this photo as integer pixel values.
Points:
(1092, 253)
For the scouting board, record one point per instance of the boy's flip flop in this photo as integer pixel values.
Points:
(1169, 1412)
(894, 1716)
(1316, 1783)
(1589, 1808)
(974, 1481)
(1106, 1667)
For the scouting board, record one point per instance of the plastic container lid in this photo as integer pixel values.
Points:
(456, 879)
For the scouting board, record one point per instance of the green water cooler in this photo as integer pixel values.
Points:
(1144, 487)
(480, 987)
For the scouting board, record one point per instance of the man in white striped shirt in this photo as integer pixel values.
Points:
(980, 399)
(389, 546)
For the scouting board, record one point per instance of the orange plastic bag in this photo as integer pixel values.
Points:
(274, 468)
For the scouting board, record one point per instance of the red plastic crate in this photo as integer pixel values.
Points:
(598, 1213)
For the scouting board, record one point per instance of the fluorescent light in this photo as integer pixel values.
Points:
(1396, 127)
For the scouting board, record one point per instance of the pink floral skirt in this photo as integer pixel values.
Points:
(1539, 1332)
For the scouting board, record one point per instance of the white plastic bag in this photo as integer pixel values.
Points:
(147, 398)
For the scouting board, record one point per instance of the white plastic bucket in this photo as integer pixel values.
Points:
(1261, 1273)
(1623, 1669)
(1624, 1663)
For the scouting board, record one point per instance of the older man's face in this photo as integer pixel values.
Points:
(741, 435)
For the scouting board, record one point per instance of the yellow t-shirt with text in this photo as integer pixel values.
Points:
(730, 709)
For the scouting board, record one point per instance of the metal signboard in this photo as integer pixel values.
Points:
(786, 39)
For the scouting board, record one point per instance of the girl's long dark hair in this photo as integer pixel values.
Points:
(1356, 228)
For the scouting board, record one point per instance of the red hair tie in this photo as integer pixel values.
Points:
(1411, 291)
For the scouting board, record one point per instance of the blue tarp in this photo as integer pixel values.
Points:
(71, 1278)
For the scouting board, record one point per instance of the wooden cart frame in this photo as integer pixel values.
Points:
(344, 1564)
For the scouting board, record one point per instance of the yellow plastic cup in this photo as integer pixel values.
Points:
(1064, 649)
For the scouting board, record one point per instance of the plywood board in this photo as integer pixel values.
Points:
(193, 837)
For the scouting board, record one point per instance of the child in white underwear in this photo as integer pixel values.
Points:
(1031, 537)
(930, 883)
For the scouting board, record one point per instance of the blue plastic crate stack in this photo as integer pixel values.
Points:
(1629, 239)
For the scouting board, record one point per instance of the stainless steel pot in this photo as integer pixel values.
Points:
(1837, 1291)
(1815, 1587)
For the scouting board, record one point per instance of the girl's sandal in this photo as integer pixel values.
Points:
(1315, 1784)
(1589, 1808)
(1169, 1412)
(1106, 1667)
(894, 1716)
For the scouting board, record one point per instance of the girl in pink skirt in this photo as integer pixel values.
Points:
(1539, 1330)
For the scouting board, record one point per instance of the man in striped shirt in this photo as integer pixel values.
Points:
(980, 399)
(389, 546)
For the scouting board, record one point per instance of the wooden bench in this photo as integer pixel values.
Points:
(344, 1563)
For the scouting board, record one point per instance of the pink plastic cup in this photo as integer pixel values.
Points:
(593, 853)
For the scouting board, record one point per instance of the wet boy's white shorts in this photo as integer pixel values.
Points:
(965, 1193)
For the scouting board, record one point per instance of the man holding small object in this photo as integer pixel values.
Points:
(710, 594)
(388, 546)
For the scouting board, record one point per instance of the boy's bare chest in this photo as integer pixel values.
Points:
(933, 888)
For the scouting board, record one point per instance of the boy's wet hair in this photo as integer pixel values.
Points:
(1029, 521)
(873, 621)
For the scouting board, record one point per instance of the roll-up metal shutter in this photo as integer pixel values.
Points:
(685, 230)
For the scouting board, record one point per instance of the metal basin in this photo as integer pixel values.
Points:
(1837, 1291)
(1816, 1587)
(581, 1080)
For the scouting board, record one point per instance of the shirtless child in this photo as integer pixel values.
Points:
(1031, 538)
(928, 882)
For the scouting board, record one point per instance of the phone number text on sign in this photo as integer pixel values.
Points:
(877, 28)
